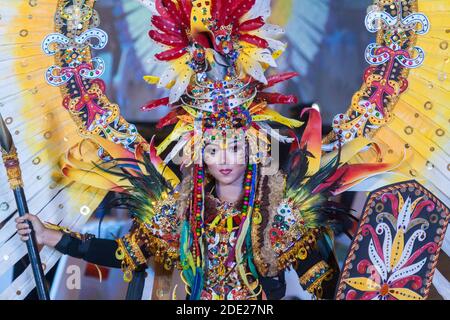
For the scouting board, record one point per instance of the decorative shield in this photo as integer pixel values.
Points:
(395, 251)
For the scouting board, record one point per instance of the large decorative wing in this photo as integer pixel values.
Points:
(401, 110)
(54, 103)
(42, 131)
(401, 104)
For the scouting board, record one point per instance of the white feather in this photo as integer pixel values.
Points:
(264, 55)
(260, 9)
(180, 86)
(252, 67)
(167, 76)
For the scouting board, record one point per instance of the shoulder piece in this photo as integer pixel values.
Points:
(279, 236)
(293, 213)
(145, 241)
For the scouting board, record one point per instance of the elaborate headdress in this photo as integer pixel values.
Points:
(216, 54)
(205, 42)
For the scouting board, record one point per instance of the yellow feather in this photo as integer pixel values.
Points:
(177, 132)
(274, 116)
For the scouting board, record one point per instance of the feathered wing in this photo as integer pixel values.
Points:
(401, 108)
(406, 116)
(55, 105)
(420, 118)
(42, 131)
(313, 202)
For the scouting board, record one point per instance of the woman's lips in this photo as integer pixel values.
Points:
(225, 171)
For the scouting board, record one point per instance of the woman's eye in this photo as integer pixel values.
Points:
(235, 148)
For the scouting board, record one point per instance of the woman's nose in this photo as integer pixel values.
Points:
(223, 157)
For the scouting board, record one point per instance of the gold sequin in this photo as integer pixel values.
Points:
(444, 45)
(428, 105)
(409, 130)
(379, 207)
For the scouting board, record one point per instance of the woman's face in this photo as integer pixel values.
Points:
(226, 162)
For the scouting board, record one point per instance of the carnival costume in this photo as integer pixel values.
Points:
(214, 56)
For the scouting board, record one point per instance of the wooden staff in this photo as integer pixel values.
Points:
(11, 161)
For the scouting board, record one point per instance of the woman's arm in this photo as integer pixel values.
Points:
(82, 246)
(158, 238)
(318, 270)
(44, 236)
(97, 251)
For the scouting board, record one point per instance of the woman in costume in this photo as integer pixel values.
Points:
(276, 238)
(229, 225)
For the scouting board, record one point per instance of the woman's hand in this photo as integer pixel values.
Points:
(44, 236)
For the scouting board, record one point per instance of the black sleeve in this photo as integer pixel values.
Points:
(97, 251)
(319, 272)
(274, 287)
